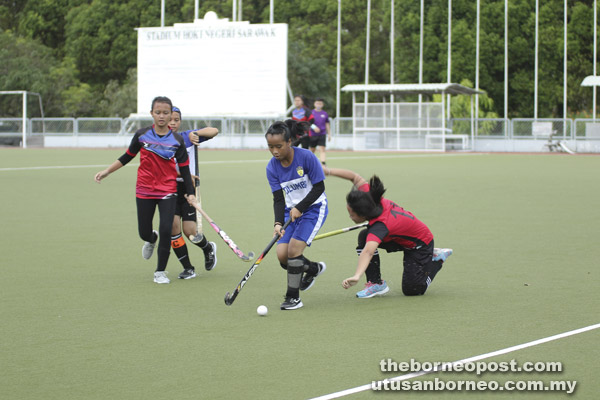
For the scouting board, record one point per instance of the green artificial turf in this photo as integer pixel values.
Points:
(82, 319)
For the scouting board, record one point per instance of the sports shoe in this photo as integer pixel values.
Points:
(148, 247)
(441, 254)
(308, 280)
(188, 273)
(210, 257)
(373, 289)
(161, 277)
(291, 303)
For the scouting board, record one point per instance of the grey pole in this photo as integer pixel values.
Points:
(338, 64)
(162, 13)
(565, 62)
(535, 75)
(449, 50)
(506, 65)
(477, 65)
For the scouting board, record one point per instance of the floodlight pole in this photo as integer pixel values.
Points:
(506, 66)
(271, 11)
(477, 65)
(367, 52)
(196, 7)
(449, 49)
(338, 66)
(392, 57)
(594, 88)
(421, 55)
(535, 75)
(162, 13)
(234, 11)
(565, 63)
(443, 123)
(24, 119)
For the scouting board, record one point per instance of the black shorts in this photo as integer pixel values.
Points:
(183, 208)
(304, 142)
(319, 140)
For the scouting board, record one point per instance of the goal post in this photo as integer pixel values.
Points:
(24, 94)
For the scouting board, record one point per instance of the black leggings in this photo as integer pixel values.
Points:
(166, 212)
(419, 269)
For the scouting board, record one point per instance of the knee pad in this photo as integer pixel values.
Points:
(284, 266)
(177, 241)
(295, 265)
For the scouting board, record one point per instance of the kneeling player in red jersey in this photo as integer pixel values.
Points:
(392, 228)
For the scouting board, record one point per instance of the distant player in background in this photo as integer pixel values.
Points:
(160, 149)
(184, 211)
(302, 114)
(392, 228)
(298, 186)
(320, 130)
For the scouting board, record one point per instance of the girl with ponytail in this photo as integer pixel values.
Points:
(392, 228)
(298, 186)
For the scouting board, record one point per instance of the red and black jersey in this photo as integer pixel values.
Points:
(397, 225)
(159, 155)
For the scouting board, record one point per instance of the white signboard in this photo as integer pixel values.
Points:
(221, 69)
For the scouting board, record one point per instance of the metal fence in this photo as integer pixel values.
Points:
(128, 126)
(488, 127)
(519, 129)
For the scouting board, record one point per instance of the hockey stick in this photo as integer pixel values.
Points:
(337, 232)
(564, 147)
(230, 297)
(225, 237)
(197, 185)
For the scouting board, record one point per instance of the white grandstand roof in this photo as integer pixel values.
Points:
(591, 81)
(413, 88)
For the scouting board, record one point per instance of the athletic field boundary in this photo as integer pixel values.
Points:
(507, 350)
(369, 157)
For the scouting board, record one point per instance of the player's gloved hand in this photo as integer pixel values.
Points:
(349, 282)
(295, 214)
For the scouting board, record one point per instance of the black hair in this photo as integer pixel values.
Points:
(290, 129)
(367, 204)
(161, 99)
(303, 98)
(176, 109)
(319, 99)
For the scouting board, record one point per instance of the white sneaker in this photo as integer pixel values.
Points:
(148, 247)
(161, 277)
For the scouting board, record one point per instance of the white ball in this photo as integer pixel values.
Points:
(262, 310)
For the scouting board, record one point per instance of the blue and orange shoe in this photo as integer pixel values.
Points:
(373, 289)
(441, 254)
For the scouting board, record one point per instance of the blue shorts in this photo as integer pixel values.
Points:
(307, 226)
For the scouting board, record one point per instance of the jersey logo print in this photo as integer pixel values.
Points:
(300, 171)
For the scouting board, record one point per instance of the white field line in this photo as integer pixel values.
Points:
(369, 157)
(368, 386)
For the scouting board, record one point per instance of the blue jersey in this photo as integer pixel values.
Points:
(298, 178)
(190, 150)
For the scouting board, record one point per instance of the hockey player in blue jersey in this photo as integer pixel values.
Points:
(298, 185)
